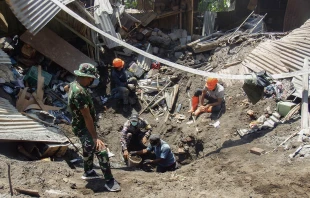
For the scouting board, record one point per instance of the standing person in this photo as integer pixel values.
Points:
(135, 133)
(124, 85)
(83, 126)
(165, 159)
(213, 92)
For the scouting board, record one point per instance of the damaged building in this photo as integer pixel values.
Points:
(257, 50)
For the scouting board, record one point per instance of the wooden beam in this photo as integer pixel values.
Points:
(75, 32)
(304, 107)
(191, 18)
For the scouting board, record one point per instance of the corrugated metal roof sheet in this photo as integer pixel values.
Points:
(284, 55)
(4, 58)
(16, 127)
(34, 14)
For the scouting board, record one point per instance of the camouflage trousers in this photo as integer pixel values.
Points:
(89, 150)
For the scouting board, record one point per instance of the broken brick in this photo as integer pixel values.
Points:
(257, 151)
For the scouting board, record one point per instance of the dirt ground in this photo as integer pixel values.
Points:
(218, 164)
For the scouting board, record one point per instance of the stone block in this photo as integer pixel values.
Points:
(257, 151)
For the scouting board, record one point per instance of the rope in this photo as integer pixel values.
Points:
(174, 65)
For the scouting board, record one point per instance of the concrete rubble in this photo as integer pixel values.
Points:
(34, 77)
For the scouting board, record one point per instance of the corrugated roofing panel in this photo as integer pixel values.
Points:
(283, 55)
(16, 127)
(4, 58)
(35, 14)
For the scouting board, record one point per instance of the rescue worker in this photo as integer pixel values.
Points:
(83, 126)
(135, 133)
(124, 84)
(213, 92)
(165, 159)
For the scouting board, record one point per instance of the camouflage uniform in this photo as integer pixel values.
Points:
(78, 99)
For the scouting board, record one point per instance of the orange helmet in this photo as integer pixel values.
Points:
(118, 63)
(211, 83)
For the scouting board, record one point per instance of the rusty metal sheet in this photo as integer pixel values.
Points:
(57, 49)
(16, 127)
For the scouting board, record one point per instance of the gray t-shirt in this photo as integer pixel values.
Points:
(217, 93)
(163, 151)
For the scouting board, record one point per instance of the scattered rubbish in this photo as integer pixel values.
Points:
(216, 124)
(76, 160)
(190, 122)
(110, 154)
(284, 107)
(296, 152)
(103, 99)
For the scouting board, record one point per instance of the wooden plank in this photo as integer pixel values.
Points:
(75, 32)
(57, 49)
(43, 106)
(29, 192)
(33, 106)
(191, 18)
(304, 107)
(174, 95)
(40, 84)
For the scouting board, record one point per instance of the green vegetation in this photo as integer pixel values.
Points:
(214, 5)
(131, 4)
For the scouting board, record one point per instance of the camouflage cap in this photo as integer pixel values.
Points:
(87, 70)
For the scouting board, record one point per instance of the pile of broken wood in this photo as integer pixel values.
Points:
(163, 103)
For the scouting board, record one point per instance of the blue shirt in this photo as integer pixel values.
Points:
(163, 151)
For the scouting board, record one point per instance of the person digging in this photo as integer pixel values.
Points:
(165, 160)
(135, 134)
(83, 126)
(124, 85)
(213, 92)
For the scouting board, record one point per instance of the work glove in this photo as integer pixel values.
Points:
(147, 161)
(133, 153)
(131, 87)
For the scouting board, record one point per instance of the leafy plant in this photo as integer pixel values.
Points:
(216, 5)
(131, 4)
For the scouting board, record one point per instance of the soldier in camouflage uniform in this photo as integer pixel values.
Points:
(83, 126)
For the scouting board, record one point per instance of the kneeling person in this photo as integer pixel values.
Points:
(213, 92)
(135, 134)
(165, 159)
